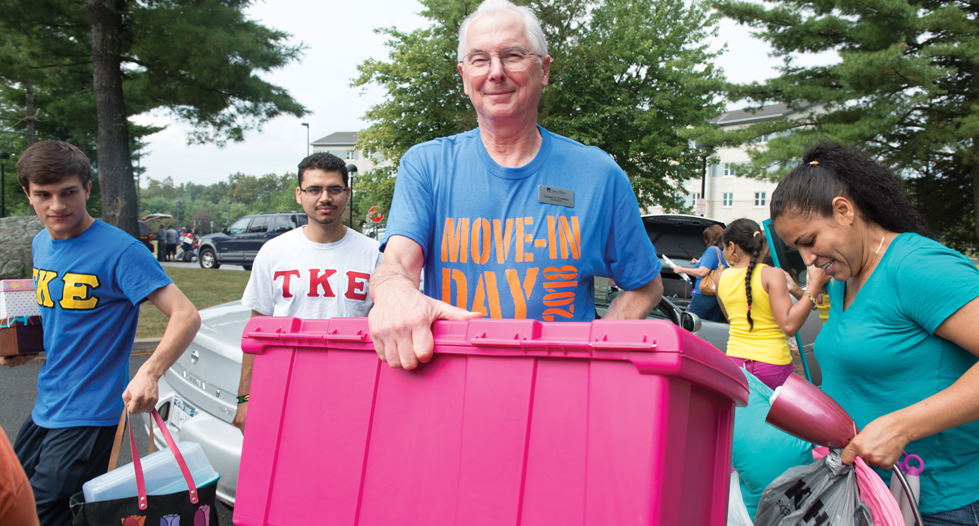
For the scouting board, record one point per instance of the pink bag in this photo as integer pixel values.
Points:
(873, 492)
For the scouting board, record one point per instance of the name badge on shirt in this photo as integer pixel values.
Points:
(553, 195)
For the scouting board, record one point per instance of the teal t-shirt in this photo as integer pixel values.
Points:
(881, 355)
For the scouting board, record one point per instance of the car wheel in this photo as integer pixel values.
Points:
(246, 267)
(208, 259)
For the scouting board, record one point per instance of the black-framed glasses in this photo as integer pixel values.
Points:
(315, 191)
(513, 59)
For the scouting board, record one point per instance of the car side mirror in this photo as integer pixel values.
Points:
(690, 321)
(226, 231)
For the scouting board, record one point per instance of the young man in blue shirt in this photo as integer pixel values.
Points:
(90, 278)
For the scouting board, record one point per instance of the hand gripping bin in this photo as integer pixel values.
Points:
(511, 422)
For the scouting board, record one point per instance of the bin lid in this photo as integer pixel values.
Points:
(653, 346)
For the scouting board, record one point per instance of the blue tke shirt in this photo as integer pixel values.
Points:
(89, 288)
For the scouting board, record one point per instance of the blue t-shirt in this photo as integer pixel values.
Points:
(710, 260)
(881, 355)
(521, 242)
(89, 288)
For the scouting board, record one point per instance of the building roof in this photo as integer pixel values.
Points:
(337, 139)
(753, 115)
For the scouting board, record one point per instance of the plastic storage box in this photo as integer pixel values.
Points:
(160, 473)
(511, 422)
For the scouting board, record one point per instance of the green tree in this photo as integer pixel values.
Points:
(905, 91)
(195, 58)
(627, 76)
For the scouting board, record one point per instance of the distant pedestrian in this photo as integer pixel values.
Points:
(171, 243)
(701, 304)
(161, 244)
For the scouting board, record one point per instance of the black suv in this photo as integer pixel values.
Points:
(239, 243)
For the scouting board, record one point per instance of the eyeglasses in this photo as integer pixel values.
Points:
(513, 59)
(315, 191)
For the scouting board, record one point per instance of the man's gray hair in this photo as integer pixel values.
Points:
(535, 35)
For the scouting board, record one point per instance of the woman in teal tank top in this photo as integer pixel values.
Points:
(899, 353)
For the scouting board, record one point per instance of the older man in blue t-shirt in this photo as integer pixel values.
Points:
(508, 220)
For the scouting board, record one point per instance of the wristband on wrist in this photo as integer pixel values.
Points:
(806, 292)
(243, 398)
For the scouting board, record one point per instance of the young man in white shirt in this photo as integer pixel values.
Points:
(317, 271)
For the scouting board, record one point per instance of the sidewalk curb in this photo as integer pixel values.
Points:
(145, 345)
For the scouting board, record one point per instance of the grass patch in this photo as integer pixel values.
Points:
(203, 287)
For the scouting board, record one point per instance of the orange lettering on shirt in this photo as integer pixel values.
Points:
(519, 240)
(551, 237)
(462, 294)
(453, 238)
(570, 235)
(520, 296)
(502, 240)
(493, 295)
(481, 242)
(564, 273)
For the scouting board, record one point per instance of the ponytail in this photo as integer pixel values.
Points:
(748, 235)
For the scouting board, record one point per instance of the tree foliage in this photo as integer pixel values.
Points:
(626, 76)
(198, 60)
(904, 91)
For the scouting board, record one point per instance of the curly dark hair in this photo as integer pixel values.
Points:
(326, 162)
(828, 171)
(746, 234)
(713, 235)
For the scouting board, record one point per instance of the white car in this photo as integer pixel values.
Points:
(198, 394)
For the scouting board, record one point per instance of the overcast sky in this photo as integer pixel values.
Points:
(339, 36)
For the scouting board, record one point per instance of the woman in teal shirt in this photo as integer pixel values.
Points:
(899, 350)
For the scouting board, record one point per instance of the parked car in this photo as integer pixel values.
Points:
(144, 235)
(680, 238)
(239, 243)
(197, 394)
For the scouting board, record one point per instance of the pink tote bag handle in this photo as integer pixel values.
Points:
(138, 468)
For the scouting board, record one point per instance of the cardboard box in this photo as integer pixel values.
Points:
(22, 335)
(18, 298)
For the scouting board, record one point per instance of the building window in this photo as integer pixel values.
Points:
(693, 198)
(352, 155)
(728, 199)
(759, 198)
(729, 170)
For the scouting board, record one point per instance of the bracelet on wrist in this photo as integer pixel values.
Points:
(812, 299)
(243, 398)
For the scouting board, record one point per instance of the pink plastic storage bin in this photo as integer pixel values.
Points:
(512, 422)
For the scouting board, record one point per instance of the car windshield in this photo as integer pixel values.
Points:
(240, 226)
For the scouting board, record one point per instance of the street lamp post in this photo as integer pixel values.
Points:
(229, 212)
(306, 124)
(351, 170)
(178, 213)
(3, 183)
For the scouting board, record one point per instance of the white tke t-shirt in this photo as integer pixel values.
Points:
(293, 276)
